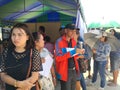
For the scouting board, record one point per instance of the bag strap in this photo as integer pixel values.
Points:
(30, 64)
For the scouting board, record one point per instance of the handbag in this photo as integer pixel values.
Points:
(28, 73)
(46, 83)
(82, 65)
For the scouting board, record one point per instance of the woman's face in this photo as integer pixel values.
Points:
(40, 42)
(19, 37)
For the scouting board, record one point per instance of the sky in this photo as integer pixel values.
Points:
(101, 10)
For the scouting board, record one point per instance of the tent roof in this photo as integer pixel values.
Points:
(37, 10)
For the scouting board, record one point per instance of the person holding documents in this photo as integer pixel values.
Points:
(66, 55)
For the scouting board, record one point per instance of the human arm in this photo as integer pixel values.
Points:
(53, 75)
(60, 56)
(43, 60)
(25, 84)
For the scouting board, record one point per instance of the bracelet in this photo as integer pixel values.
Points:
(15, 83)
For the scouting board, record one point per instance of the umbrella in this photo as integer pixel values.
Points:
(90, 39)
(93, 42)
(102, 24)
(116, 29)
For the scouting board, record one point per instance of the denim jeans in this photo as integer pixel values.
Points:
(99, 66)
(82, 81)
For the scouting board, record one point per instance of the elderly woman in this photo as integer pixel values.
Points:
(47, 80)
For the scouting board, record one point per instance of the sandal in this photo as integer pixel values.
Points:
(110, 80)
(90, 77)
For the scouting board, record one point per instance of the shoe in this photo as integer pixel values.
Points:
(100, 88)
(112, 84)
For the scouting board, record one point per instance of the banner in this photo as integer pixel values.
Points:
(80, 24)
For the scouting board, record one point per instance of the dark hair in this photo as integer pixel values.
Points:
(78, 29)
(106, 38)
(47, 39)
(42, 28)
(0, 41)
(60, 29)
(113, 30)
(29, 43)
(77, 32)
(35, 36)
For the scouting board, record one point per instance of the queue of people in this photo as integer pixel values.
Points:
(32, 62)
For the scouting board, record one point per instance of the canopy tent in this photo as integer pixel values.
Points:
(38, 10)
(33, 12)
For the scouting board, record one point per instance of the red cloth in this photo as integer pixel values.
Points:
(62, 59)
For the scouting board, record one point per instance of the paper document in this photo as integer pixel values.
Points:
(47, 66)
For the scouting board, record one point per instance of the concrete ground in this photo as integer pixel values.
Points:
(108, 77)
(97, 84)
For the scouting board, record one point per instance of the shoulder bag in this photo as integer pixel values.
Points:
(29, 69)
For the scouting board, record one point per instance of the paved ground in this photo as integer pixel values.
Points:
(97, 84)
(108, 76)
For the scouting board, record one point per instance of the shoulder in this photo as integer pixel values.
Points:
(44, 52)
(117, 35)
(35, 52)
(107, 45)
(5, 51)
(45, 49)
(59, 39)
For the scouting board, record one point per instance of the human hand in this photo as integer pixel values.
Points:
(54, 81)
(81, 56)
(94, 50)
(24, 85)
(80, 51)
(19, 89)
(22, 89)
